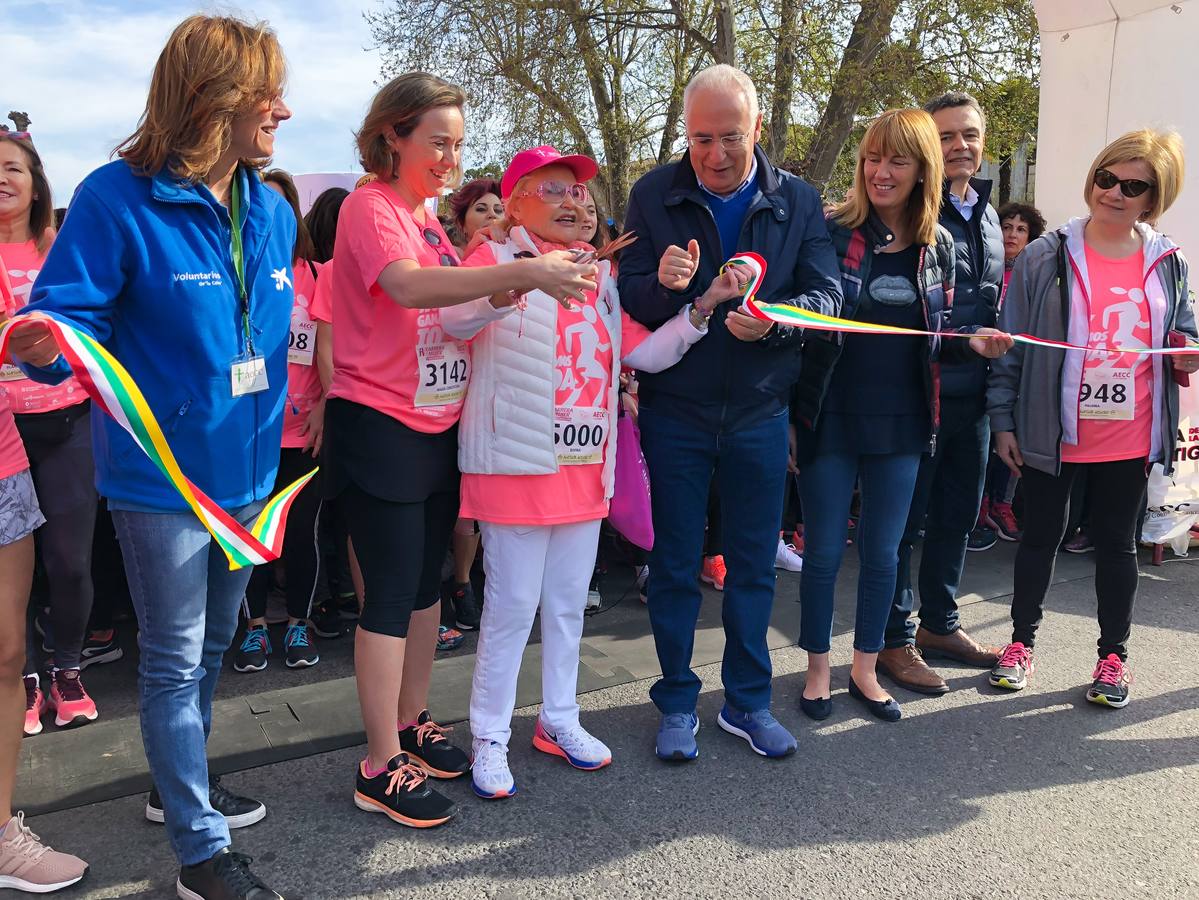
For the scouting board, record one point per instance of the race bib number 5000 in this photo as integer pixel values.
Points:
(1108, 394)
(442, 373)
(580, 434)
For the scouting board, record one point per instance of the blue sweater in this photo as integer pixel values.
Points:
(145, 266)
(729, 213)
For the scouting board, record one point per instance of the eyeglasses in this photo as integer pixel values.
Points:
(433, 239)
(727, 141)
(1129, 187)
(556, 191)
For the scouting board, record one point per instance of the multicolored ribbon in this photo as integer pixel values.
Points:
(115, 392)
(796, 317)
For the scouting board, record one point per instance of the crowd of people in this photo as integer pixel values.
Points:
(460, 381)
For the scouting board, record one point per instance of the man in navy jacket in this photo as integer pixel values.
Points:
(723, 409)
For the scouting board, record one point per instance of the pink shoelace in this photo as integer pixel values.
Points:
(1110, 670)
(1013, 655)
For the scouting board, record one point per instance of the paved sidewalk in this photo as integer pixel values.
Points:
(977, 794)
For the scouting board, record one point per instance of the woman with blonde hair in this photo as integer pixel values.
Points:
(177, 258)
(867, 404)
(1105, 279)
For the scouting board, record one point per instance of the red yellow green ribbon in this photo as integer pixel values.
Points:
(115, 392)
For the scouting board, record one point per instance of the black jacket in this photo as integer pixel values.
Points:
(723, 383)
(855, 248)
(979, 247)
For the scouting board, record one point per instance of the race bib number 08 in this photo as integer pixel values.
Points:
(580, 434)
(301, 340)
(1108, 394)
(442, 373)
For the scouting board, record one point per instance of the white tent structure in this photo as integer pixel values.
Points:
(1107, 67)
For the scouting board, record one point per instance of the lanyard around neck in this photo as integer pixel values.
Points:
(239, 259)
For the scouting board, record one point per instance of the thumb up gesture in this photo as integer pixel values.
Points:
(677, 267)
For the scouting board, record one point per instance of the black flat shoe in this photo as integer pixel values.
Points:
(887, 710)
(819, 709)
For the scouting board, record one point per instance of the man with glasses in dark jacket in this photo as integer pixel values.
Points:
(950, 483)
(723, 409)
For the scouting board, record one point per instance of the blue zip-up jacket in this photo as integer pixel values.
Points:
(724, 384)
(145, 266)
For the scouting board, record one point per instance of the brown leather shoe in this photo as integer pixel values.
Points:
(958, 646)
(907, 668)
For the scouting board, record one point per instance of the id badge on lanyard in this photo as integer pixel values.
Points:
(247, 373)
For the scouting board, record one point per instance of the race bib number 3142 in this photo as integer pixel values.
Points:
(442, 373)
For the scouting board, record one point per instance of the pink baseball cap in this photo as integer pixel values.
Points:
(530, 160)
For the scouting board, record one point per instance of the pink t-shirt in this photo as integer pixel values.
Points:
(398, 361)
(303, 379)
(12, 451)
(1115, 402)
(583, 365)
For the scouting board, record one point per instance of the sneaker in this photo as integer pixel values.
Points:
(489, 773)
(713, 572)
(401, 794)
(1014, 667)
(426, 746)
(1080, 543)
(1002, 520)
(797, 541)
(68, 699)
(239, 812)
(253, 652)
(298, 648)
(325, 620)
(35, 705)
(575, 745)
(760, 729)
(785, 557)
(676, 737)
(449, 638)
(100, 647)
(981, 538)
(28, 864)
(594, 598)
(226, 876)
(1110, 685)
(466, 607)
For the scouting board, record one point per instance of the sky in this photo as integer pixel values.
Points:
(81, 68)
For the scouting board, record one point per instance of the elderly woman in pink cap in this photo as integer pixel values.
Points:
(537, 449)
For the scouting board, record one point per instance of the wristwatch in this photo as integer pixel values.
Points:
(698, 318)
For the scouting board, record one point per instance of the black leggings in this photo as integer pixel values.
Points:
(1117, 490)
(400, 548)
(301, 548)
(59, 445)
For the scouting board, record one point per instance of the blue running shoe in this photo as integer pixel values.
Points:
(254, 650)
(676, 737)
(297, 646)
(760, 729)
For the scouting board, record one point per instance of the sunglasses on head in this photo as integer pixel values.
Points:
(1129, 187)
(433, 239)
(556, 191)
(17, 135)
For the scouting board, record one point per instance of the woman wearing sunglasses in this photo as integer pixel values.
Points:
(1103, 280)
(391, 437)
(537, 451)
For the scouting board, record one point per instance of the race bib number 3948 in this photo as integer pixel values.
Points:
(442, 373)
(580, 433)
(1108, 394)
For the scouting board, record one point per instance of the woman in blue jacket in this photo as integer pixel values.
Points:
(178, 260)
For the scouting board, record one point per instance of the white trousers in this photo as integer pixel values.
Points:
(531, 566)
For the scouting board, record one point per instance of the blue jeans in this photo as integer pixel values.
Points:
(750, 466)
(887, 481)
(186, 601)
(945, 504)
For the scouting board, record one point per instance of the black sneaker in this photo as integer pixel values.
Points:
(253, 652)
(982, 538)
(238, 811)
(402, 794)
(298, 647)
(100, 647)
(226, 876)
(466, 607)
(326, 620)
(426, 745)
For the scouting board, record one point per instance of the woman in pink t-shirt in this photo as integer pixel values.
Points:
(391, 437)
(55, 425)
(537, 452)
(1103, 280)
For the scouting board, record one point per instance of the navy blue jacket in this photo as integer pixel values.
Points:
(145, 266)
(724, 384)
(978, 249)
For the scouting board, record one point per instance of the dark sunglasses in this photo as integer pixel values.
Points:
(433, 239)
(1129, 187)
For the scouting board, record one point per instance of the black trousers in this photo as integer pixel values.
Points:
(1117, 494)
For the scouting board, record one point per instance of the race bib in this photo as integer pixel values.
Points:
(1108, 394)
(442, 373)
(9, 372)
(302, 340)
(580, 433)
